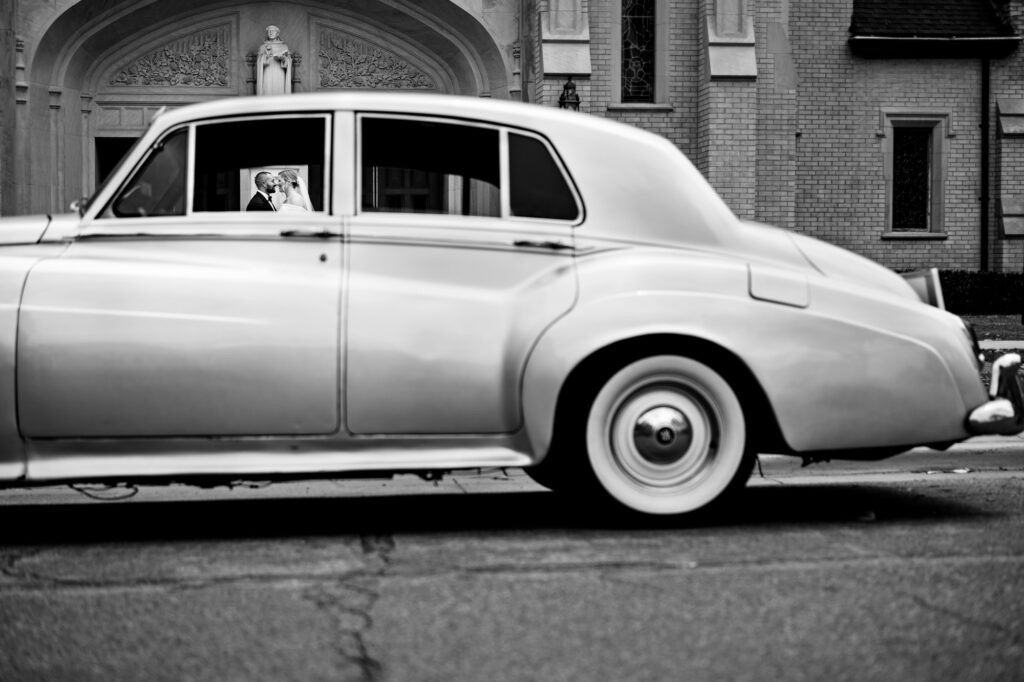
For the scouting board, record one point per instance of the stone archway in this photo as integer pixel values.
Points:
(103, 69)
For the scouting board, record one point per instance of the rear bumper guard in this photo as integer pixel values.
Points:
(1003, 414)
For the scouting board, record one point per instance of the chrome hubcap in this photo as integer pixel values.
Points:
(662, 435)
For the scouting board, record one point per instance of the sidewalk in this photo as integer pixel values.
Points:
(981, 453)
(1001, 345)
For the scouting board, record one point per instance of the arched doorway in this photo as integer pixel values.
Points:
(101, 71)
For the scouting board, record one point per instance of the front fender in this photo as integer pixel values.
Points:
(15, 263)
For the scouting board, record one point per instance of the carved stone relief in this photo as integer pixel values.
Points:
(199, 60)
(349, 63)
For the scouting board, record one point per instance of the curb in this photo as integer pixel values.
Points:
(988, 344)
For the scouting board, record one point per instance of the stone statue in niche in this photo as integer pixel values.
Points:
(273, 65)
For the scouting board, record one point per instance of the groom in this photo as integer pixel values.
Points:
(266, 184)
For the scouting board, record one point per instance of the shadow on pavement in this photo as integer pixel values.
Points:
(809, 505)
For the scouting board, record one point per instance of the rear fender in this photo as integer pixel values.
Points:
(832, 384)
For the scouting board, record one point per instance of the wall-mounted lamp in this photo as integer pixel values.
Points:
(569, 99)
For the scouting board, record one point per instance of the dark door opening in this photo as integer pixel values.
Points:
(109, 152)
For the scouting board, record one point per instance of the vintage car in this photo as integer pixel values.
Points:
(478, 284)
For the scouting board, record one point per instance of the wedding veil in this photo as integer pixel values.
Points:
(304, 193)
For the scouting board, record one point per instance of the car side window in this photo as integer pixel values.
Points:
(158, 189)
(422, 166)
(537, 188)
(230, 154)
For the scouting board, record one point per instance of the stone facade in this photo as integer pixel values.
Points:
(765, 96)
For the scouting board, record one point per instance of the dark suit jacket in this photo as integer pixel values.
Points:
(259, 203)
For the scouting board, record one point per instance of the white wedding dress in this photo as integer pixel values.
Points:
(303, 196)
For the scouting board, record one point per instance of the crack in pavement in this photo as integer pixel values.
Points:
(9, 566)
(958, 616)
(348, 605)
(42, 584)
(349, 602)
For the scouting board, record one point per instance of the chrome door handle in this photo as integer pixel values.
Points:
(554, 246)
(319, 234)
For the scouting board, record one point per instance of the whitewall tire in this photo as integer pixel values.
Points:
(666, 435)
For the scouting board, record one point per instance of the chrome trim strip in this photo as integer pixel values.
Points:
(12, 471)
(269, 464)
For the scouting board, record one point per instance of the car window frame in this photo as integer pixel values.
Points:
(107, 212)
(559, 164)
(504, 171)
(328, 117)
(111, 223)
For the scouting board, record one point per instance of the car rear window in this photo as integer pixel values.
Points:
(537, 187)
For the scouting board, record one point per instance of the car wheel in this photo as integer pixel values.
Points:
(666, 435)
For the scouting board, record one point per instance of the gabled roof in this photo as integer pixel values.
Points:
(930, 28)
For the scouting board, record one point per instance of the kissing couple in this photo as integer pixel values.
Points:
(287, 182)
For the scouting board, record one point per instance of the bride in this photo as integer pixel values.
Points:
(296, 196)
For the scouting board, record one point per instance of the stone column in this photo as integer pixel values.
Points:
(57, 203)
(515, 86)
(88, 158)
(8, 52)
(776, 115)
(727, 103)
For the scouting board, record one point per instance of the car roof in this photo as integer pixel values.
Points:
(503, 112)
(400, 102)
(613, 163)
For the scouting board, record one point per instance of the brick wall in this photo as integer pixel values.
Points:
(730, 145)
(681, 75)
(819, 165)
(840, 183)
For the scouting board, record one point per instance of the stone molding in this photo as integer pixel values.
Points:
(200, 60)
(346, 62)
(128, 119)
(731, 53)
(20, 81)
(565, 39)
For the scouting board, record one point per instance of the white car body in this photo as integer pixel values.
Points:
(221, 345)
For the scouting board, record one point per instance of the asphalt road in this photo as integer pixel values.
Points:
(908, 569)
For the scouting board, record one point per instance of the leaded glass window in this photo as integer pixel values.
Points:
(911, 178)
(638, 50)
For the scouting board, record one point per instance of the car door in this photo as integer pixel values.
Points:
(460, 255)
(175, 313)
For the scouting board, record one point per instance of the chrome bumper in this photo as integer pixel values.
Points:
(1003, 414)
